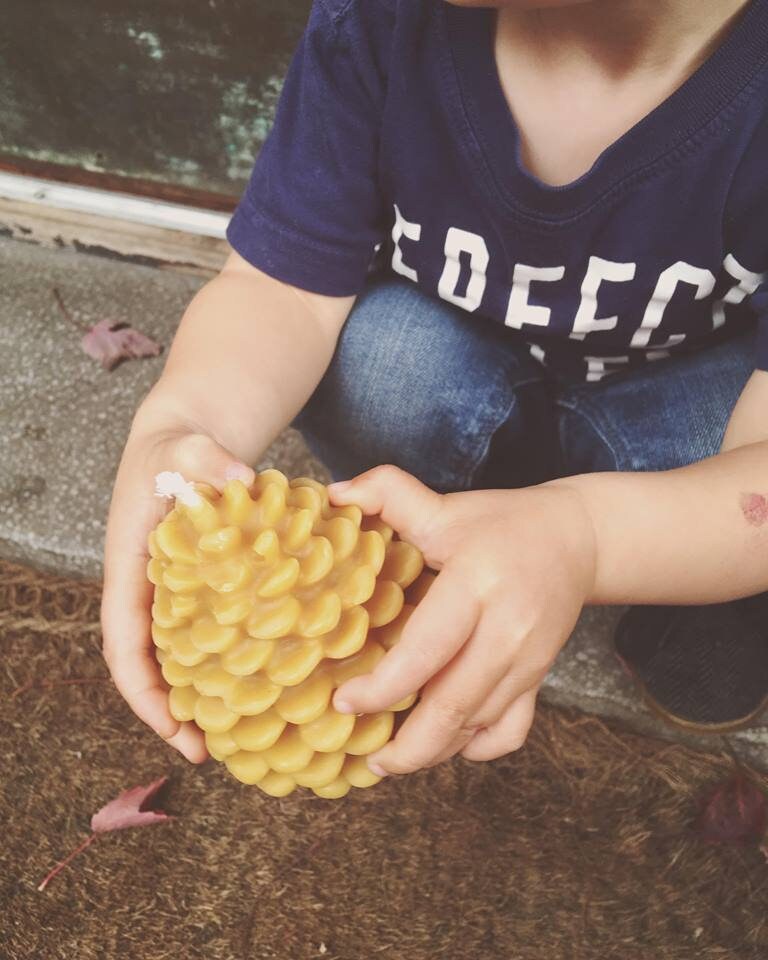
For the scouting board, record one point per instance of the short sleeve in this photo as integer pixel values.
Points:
(312, 212)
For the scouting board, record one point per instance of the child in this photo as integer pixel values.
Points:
(556, 345)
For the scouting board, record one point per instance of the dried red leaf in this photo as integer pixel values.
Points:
(110, 342)
(734, 812)
(129, 809)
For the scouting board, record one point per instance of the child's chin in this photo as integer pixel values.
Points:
(520, 4)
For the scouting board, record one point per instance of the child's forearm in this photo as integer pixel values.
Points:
(698, 534)
(248, 353)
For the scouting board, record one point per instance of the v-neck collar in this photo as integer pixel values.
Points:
(669, 129)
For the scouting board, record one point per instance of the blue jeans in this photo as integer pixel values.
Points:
(459, 403)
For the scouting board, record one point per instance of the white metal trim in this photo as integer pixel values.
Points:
(118, 206)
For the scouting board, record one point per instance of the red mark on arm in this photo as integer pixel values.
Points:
(754, 506)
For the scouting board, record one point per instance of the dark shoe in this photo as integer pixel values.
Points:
(703, 668)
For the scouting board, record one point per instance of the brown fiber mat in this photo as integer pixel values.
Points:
(577, 847)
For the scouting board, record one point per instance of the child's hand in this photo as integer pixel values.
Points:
(152, 447)
(516, 567)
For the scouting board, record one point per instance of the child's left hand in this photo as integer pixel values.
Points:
(516, 567)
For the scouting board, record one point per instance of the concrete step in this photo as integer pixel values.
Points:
(132, 229)
(63, 422)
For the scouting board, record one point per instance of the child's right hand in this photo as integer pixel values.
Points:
(154, 445)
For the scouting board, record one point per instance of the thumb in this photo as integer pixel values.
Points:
(404, 502)
(199, 457)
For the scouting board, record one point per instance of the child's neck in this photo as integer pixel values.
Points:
(577, 77)
(622, 36)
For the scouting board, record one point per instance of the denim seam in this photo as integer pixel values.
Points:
(602, 428)
(483, 454)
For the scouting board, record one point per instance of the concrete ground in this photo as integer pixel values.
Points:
(63, 421)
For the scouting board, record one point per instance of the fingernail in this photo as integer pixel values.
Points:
(339, 487)
(343, 706)
(238, 471)
(378, 770)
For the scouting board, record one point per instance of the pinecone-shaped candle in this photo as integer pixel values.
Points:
(266, 600)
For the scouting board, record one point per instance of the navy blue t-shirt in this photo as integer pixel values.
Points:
(393, 130)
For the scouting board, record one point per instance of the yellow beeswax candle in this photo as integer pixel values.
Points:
(266, 600)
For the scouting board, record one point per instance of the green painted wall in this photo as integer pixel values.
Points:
(180, 91)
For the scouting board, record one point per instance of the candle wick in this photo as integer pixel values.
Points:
(173, 485)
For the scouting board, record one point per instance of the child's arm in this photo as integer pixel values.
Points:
(248, 353)
(698, 534)
(516, 566)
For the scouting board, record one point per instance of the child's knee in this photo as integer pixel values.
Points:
(411, 383)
